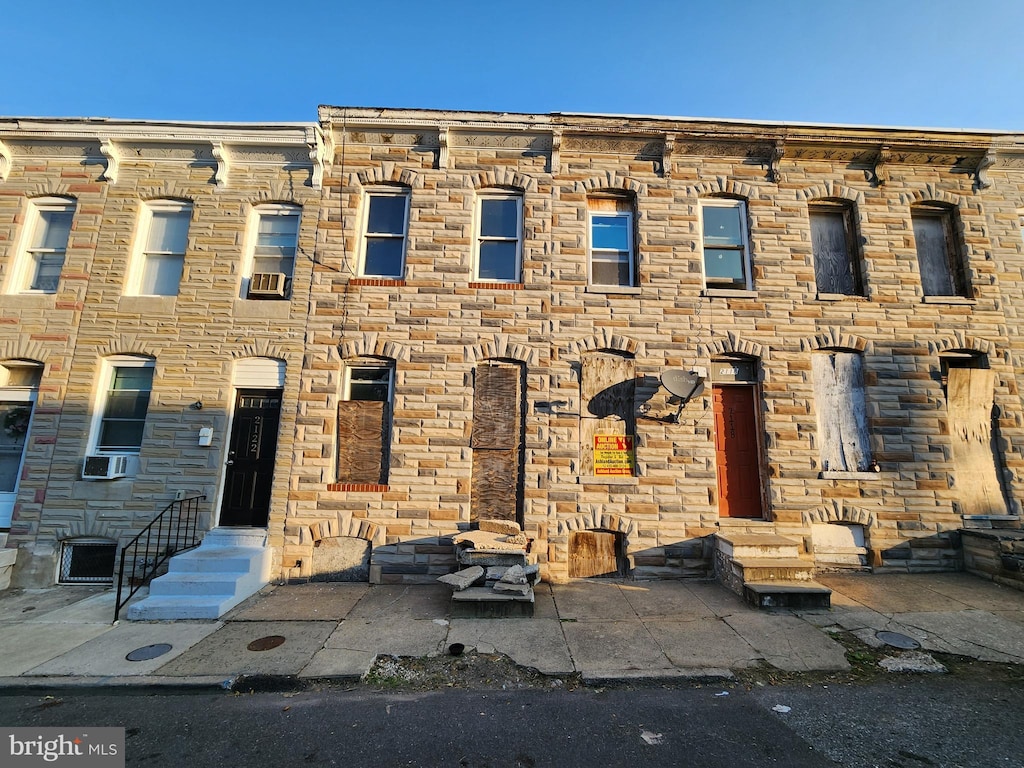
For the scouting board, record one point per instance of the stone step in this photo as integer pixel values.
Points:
(742, 546)
(485, 603)
(199, 584)
(787, 594)
(168, 608)
(235, 537)
(218, 559)
(764, 569)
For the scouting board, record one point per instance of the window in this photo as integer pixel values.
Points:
(842, 411)
(19, 385)
(499, 242)
(49, 230)
(726, 256)
(387, 219)
(87, 561)
(275, 242)
(938, 254)
(128, 383)
(834, 243)
(364, 419)
(612, 253)
(164, 230)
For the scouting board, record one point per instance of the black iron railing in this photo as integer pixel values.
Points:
(173, 530)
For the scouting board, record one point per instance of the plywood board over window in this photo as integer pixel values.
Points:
(836, 267)
(842, 415)
(607, 392)
(497, 441)
(969, 395)
(361, 432)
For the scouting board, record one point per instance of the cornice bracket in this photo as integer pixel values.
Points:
(110, 151)
(981, 179)
(666, 155)
(878, 175)
(555, 160)
(6, 161)
(220, 155)
(442, 151)
(320, 154)
(774, 158)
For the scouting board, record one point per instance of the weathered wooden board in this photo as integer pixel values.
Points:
(969, 393)
(495, 478)
(834, 267)
(930, 237)
(842, 413)
(361, 441)
(497, 403)
(607, 392)
(593, 553)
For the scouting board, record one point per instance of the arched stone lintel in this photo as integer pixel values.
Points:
(388, 173)
(839, 513)
(731, 344)
(501, 346)
(503, 177)
(597, 520)
(959, 340)
(344, 525)
(724, 186)
(830, 190)
(606, 339)
(371, 345)
(833, 338)
(609, 181)
(931, 193)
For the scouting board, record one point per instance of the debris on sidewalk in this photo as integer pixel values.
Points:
(914, 661)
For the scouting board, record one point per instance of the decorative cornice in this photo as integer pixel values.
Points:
(321, 152)
(775, 156)
(442, 152)
(879, 174)
(667, 148)
(981, 178)
(6, 161)
(555, 162)
(220, 154)
(110, 151)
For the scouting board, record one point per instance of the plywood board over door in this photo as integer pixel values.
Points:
(607, 390)
(969, 395)
(497, 440)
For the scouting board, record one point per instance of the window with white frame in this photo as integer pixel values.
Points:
(386, 225)
(274, 243)
(49, 228)
(612, 241)
(124, 402)
(499, 245)
(164, 238)
(724, 238)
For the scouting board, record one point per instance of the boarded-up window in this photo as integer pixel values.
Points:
(497, 442)
(842, 412)
(938, 255)
(607, 390)
(364, 421)
(969, 396)
(836, 267)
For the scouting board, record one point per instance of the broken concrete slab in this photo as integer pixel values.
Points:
(338, 664)
(105, 655)
(514, 574)
(226, 651)
(416, 637)
(513, 589)
(538, 644)
(912, 661)
(465, 578)
(979, 634)
(507, 527)
(789, 643)
(300, 602)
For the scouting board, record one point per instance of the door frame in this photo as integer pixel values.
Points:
(236, 391)
(28, 396)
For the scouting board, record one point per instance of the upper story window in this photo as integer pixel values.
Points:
(837, 266)
(275, 242)
(386, 227)
(499, 244)
(49, 228)
(612, 241)
(939, 254)
(127, 384)
(726, 249)
(160, 263)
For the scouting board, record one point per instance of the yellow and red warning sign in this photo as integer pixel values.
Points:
(613, 455)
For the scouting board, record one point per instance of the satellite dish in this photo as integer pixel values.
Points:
(684, 384)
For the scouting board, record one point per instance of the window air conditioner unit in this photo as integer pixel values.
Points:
(267, 284)
(104, 467)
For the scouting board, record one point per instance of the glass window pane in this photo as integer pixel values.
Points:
(498, 260)
(369, 384)
(612, 272)
(168, 231)
(384, 256)
(14, 422)
(723, 265)
(722, 225)
(270, 264)
(121, 435)
(126, 405)
(133, 377)
(611, 232)
(499, 218)
(47, 272)
(161, 275)
(53, 230)
(277, 236)
(278, 224)
(387, 215)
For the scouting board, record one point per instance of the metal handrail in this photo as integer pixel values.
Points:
(170, 532)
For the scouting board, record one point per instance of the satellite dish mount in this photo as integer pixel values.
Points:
(685, 385)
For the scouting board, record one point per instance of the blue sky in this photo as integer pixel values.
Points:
(937, 63)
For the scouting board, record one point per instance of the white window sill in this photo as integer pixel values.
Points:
(627, 290)
(963, 300)
(606, 480)
(834, 475)
(30, 298)
(841, 297)
(147, 304)
(730, 293)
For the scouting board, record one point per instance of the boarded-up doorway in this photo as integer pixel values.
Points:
(969, 398)
(497, 442)
(594, 554)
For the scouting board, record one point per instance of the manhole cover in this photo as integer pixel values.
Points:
(266, 643)
(147, 652)
(897, 640)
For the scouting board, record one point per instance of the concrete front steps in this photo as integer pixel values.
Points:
(766, 570)
(205, 583)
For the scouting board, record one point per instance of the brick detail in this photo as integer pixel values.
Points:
(357, 487)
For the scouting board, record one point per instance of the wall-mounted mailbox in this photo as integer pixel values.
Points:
(206, 436)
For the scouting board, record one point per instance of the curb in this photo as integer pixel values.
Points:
(14, 686)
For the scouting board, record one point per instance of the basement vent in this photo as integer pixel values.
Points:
(87, 562)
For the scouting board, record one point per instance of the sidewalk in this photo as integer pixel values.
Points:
(601, 629)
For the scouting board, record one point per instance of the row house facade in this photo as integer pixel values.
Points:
(625, 334)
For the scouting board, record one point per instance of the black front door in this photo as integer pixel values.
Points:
(250, 465)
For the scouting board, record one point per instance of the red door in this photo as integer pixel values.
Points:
(736, 452)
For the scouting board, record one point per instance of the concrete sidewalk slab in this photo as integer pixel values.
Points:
(411, 637)
(544, 602)
(594, 600)
(535, 643)
(27, 645)
(300, 602)
(104, 656)
(719, 600)
(338, 664)
(608, 649)
(22, 604)
(979, 634)
(977, 593)
(661, 599)
(225, 651)
(787, 643)
(702, 643)
(892, 593)
(398, 603)
(95, 609)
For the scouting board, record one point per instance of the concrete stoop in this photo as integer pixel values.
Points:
(7, 559)
(205, 583)
(766, 570)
